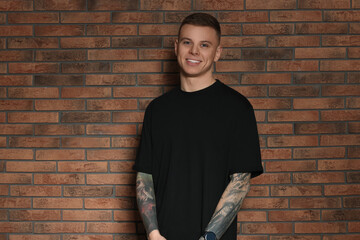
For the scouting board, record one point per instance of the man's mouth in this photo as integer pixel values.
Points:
(192, 61)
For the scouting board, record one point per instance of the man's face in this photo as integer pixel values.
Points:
(197, 48)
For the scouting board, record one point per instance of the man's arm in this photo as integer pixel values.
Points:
(229, 204)
(145, 196)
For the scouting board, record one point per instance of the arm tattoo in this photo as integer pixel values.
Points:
(229, 204)
(145, 196)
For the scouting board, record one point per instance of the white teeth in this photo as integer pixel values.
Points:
(193, 61)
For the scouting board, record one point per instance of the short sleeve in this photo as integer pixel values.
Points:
(244, 153)
(143, 161)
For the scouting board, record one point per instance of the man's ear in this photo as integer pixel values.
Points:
(218, 53)
(176, 46)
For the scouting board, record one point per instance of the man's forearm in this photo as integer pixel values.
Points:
(229, 204)
(145, 196)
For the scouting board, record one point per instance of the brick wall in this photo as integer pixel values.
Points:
(76, 76)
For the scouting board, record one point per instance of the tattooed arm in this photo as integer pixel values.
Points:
(145, 196)
(229, 204)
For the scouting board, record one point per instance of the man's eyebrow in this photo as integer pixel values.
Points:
(203, 41)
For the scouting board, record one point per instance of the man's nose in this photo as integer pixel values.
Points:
(194, 50)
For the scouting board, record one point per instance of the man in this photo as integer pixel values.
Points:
(199, 146)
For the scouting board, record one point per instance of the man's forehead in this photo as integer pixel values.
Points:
(185, 33)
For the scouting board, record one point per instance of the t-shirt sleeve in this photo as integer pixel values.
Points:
(244, 154)
(143, 161)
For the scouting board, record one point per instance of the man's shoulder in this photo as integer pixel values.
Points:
(164, 99)
(234, 97)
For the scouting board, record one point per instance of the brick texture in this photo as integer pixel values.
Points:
(77, 75)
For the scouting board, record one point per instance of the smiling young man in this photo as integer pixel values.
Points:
(199, 146)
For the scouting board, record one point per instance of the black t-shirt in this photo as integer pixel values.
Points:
(191, 143)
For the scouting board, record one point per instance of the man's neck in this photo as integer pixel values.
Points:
(192, 84)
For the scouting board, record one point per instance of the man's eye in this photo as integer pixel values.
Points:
(204, 45)
(186, 42)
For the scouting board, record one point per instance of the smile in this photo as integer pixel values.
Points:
(193, 61)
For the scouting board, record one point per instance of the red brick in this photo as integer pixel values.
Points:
(86, 92)
(23, 30)
(15, 227)
(341, 215)
(318, 177)
(131, 92)
(351, 202)
(324, 4)
(346, 40)
(127, 117)
(293, 91)
(33, 68)
(120, 79)
(30, 17)
(87, 215)
(108, 179)
(243, 41)
(318, 103)
(121, 142)
(59, 179)
(295, 16)
(59, 129)
(85, 42)
(353, 152)
(113, 54)
(251, 91)
(325, 165)
(341, 237)
(125, 191)
(166, 5)
(340, 115)
(292, 116)
(60, 154)
(272, 178)
(294, 41)
(242, 17)
(126, 216)
(339, 140)
(342, 16)
(269, 228)
(268, 29)
(34, 92)
(260, 103)
(110, 5)
(157, 54)
(10, 202)
(3, 217)
(328, 152)
(228, 54)
(3, 93)
(59, 105)
(298, 65)
(34, 237)
(354, 127)
(323, 227)
(4, 191)
(3, 21)
(266, 78)
(113, 154)
(137, 42)
(15, 178)
(276, 154)
(303, 78)
(354, 28)
(85, 17)
(59, 227)
(16, 80)
(3, 68)
(123, 166)
(294, 215)
(60, 5)
(353, 226)
(356, 4)
(354, 52)
(320, 202)
(275, 128)
(16, 105)
(158, 29)
(88, 191)
(317, 128)
(85, 117)
(263, 54)
(113, 129)
(16, 5)
(295, 190)
(109, 203)
(30, 166)
(85, 67)
(122, 227)
(321, 28)
(111, 30)
(248, 237)
(60, 203)
(16, 154)
(34, 142)
(82, 167)
(340, 65)
(240, 66)
(138, 66)
(35, 215)
(137, 17)
(162, 79)
(89, 237)
(340, 90)
(59, 30)
(271, 4)
(60, 55)
(343, 190)
(85, 142)
(218, 5)
(320, 53)
(38, 191)
(292, 141)
(33, 42)
(16, 55)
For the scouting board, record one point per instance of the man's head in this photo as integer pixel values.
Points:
(203, 20)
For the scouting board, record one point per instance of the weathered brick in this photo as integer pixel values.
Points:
(319, 202)
(138, 66)
(59, 105)
(339, 140)
(261, 103)
(292, 116)
(157, 54)
(16, 129)
(31, 166)
(85, 142)
(113, 154)
(351, 202)
(34, 237)
(320, 53)
(16, 56)
(341, 40)
(276, 154)
(16, 178)
(330, 152)
(113, 129)
(240, 66)
(293, 91)
(354, 77)
(32, 42)
(113, 79)
(60, 5)
(87, 215)
(125, 191)
(111, 30)
(60, 227)
(59, 129)
(85, 42)
(318, 103)
(123, 166)
(340, 90)
(318, 128)
(219, 5)
(348, 164)
(266, 78)
(340, 237)
(354, 52)
(340, 65)
(85, 117)
(60, 154)
(86, 92)
(294, 215)
(33, 68)
(137, 42)
(354, 127)
(15, 227)
(85, 67)
(29, 17)
(343, 190)
(166, 5)
(122, 227)
(59, 30)
(342, 16)
(341, 215)
(304, 78)
(354, 28)
(16, 105)
(353, 152)
(33, 92)
(292, 141)
(297, 65)
(271, 4)
(267, 53)
(38, 191)
(94, 5)
(324, 4)
(33, 117)
(137, 17)
(243, 41)
(35, 215)
(261, 228)
(18, 30)
(323, 227)
(88, 191)
(11, 202)
(126, 216)
(16, 80)
(243, 17)
(60, 55)
(108, 203)
(85, 17)
(16, 154)
(272, 178)
(318, 177)
(294, 41)
(114, 54)
(17, 5)
(295, 16)
(108, 179)
(293, 166)
(268, 29)
(284, 190)
(58, 203)
(34, 142)
(88, 237)
(82, 167)
(120, 142)
(59, 179)
(340, 115)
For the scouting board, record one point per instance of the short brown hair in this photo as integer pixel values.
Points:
(204, 20)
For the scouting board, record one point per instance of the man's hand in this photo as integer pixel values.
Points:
(155, 235)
